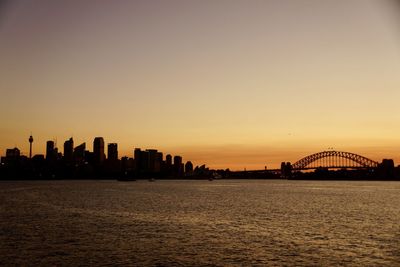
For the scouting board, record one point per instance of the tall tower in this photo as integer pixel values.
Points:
(30, 146)
(113, 151)
(50, 151)
(68, 150)
(98, 150)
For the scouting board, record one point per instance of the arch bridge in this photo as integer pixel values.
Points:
(334, 159)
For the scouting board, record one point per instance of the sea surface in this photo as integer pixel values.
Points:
(200, 223)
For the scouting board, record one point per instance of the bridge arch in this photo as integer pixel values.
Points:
(335, 159)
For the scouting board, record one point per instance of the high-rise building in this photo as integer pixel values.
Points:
(189, 168)
(51, 153)
(167, 168)
(178, 166)
(144, 161)
(137, 158)
(168, 161)
(159, 162)
(98, 150)
(151, 159)
(79, 153)
(112, 152)
(69, 150)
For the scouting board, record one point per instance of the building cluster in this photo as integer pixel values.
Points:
(78, 162)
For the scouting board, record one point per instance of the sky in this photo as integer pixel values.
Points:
(227, 83)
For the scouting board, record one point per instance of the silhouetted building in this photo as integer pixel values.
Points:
(127, 164)
(168, 160)
(159, 162)
(151, 153)
(68, 150)
(12, 153)
(178, 166)
(12, 156)
(112, 152)
(79, 153)
(38, 162)
(188, 168)
(89, 157)
(51, 152)
(98, 150)
(386, 169)
(201, 171)
(38, 159)
(144, 161)
(137, 158)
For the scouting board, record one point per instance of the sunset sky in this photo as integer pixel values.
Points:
(232, 84)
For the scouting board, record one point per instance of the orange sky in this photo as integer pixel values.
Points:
(231, 84)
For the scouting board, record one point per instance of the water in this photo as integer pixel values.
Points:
(200, 223)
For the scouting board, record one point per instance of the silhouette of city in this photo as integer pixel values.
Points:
(79, 163)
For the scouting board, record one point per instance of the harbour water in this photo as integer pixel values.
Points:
(200, 223)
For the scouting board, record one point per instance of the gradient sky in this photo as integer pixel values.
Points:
(238, 84)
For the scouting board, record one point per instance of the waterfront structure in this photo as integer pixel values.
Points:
(112, 151)
(334, 159)
(98, 150)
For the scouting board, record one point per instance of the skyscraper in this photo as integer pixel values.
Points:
(68, 149)
(152, 159)
(50, 151)
(168, 161)
(188, 168)
(112, 152)
(144, 161)
(79, 153)
(98, 150)
(159, 162)
(137, 158)
(178, 166)
(168, 165)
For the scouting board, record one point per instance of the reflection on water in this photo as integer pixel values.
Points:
(200, 223)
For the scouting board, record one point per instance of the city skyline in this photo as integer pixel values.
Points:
(68, 148)
(226, 83)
